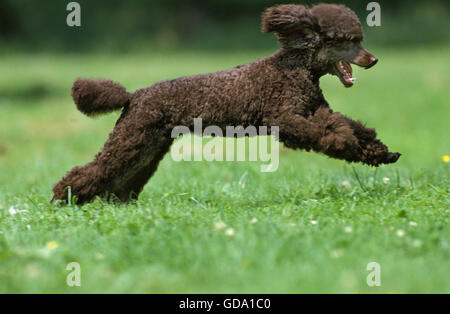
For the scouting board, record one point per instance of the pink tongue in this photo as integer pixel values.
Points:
(348, 68)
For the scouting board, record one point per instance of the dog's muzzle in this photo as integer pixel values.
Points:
(365, 59)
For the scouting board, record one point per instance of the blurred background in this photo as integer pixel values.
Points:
(128, 26)
(165, 243)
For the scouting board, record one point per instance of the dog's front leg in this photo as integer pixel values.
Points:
(373, 151)
(334, 135)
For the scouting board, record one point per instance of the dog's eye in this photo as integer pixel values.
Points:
(308, 31)
(342, 43)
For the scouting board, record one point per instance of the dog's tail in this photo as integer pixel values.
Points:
(94, 97)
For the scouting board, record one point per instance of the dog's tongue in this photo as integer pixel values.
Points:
(347, 67)
(346, 72)
(348, 78)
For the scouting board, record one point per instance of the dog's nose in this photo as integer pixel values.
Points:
(373, 61)
(365, 59)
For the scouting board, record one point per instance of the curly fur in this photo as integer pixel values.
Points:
(282, 89)
(337, 22)
(94, 97)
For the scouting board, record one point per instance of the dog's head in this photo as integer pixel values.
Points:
(332, 33)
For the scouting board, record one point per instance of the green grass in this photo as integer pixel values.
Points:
(167, 241)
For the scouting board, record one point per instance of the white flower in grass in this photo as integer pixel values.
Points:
(313, 222)
(346, 184)
(400, 233)
(99, 256)
(219, 226)
(413, 224)
(386, 180)
(253, 221)
(229, 232)
(336, 254)
(417, 243)
(14, 211)
(348, 229)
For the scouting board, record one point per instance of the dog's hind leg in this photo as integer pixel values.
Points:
(130, 189)
(128, 159)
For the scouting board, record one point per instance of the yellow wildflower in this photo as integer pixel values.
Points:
(51, 245)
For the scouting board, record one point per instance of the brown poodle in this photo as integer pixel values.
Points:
(279, 90)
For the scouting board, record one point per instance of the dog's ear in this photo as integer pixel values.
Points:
(287, 18)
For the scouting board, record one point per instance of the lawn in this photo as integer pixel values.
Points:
(311, 226)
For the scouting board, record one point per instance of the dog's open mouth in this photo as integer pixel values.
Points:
(344, 72)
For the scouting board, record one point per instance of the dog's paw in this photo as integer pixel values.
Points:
(80, 184)
(392, 157)
(377, 153)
